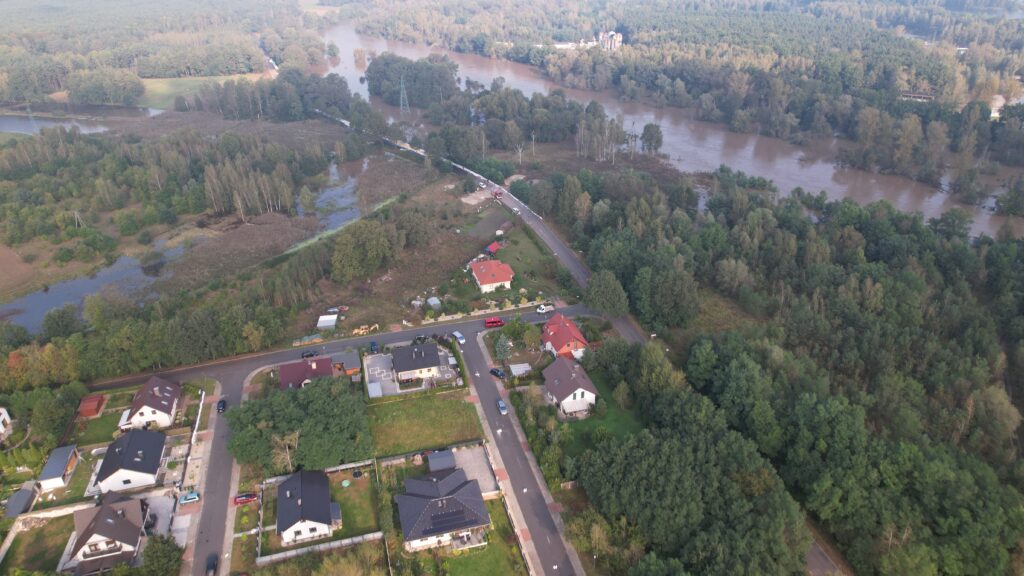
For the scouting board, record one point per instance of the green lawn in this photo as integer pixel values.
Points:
(270, 506)
(75, 491)
(98, 430)
(618, 421)
(6, 137)
(358, 503)
(243, 555)
(501, 556)
(245, 517)
(534, 267)
(419, 423)
(161, 92)
(39, 549)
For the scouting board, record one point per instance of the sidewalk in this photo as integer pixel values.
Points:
(516, 515)
(182, 522)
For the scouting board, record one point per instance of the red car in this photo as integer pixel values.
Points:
(494, 322)
(245, 498)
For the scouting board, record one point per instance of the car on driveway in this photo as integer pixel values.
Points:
(545, 308)
(502, 407)
(188, 497)
(310, 353)
(373, 347)
(498, 372)
(222, 405)
(245, 498)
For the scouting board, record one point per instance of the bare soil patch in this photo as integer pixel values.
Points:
(387, 176)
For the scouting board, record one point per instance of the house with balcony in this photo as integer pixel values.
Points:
(107, 535)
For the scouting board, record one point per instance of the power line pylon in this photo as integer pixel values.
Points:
(403, 99)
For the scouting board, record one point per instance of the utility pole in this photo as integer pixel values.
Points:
(403, 99)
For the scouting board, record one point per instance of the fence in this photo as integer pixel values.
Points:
(340, 467)
(325, 547)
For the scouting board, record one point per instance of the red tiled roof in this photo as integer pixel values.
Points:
(292, 375)
(491, 272)
(561, 332)
(493, 247)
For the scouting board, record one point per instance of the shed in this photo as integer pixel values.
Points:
(328, 322)
(91, 406)
(373, 389)
(20, 502)
(520, 369)
(441, 460)
(493, 248)
(434, 302)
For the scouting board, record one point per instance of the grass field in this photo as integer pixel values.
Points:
(419, 423)
(161, 92)
(6, 137)
(717, 314)
(618, 421)
(98, 430)
(243, 554)
(358, 503)
(39, 549)
(500, 557)
(535, 268)
(245, 517)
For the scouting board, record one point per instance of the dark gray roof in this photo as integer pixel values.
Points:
(415, 357)
(158, 394)
(441, 460)
(305, 495)
(118, 518)
(350, 358)
(138, 450)
(564, 377)
(57, 463)
(19, 502)
(441, 503)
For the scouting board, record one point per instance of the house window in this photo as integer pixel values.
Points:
(152, 412)
(298, 534)
(312, 530)
(94, 547)
(126, 482)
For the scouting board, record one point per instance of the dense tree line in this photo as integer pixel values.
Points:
(906, 331)
(318, 426)
(61, 184)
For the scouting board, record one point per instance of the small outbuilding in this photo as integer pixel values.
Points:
(91, 406)
(58, 468)
(20, 502)
(328, 322)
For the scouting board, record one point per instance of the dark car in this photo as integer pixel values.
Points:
(211, 565)
(222, 405)
(245, 498)
(498, 372)
(374, 348)
(420, 339)
(310, 353)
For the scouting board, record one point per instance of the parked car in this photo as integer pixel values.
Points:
(420, 339)
(211, 565)
(336, 309)
(310, 353)
(502, 407)
(459, 337)
(545, 308)
(498, 372)
(516, 211)
(494, 322)
(245, 498)
(373, 347)
(188, 497)
(222, 405)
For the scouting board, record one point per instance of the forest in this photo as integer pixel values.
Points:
(792, 70)
(99, 51)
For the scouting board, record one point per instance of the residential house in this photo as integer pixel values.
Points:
(440, 508)
(568, 387)
(132, 461)
(416, 361)
(563, 338)
(5, 423)
(153, 406)
(58, 468)
(298, 374)
(348, 361)
(491, 275)
(304, 508)
(107, 535)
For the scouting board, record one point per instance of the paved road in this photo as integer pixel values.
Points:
(231, 373)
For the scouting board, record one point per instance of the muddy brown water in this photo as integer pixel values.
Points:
(694, 146)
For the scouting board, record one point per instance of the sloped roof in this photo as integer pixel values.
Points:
(493, 247)
(138, 450)
(564, 377)
(441, 460)
(293, 374)
(561, 331)
(491, 272)
(57, 463)
(19, 502)
(416, 357)
(117, 518)
(440, 503)
(305, 495)
(157, 394)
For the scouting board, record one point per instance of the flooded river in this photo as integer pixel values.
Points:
(692, 145)
(32, 124)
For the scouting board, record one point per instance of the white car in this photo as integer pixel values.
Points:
(459, 337)
(545, 308)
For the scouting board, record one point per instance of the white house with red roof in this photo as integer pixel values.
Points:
(491, 275)
(563, 338)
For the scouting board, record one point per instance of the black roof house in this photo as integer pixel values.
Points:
(305, 495)
(440, 503)
(416, 357)
(138, 450)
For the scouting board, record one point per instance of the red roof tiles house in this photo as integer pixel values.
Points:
(492, 274)
(297, 374)
(563, 338)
